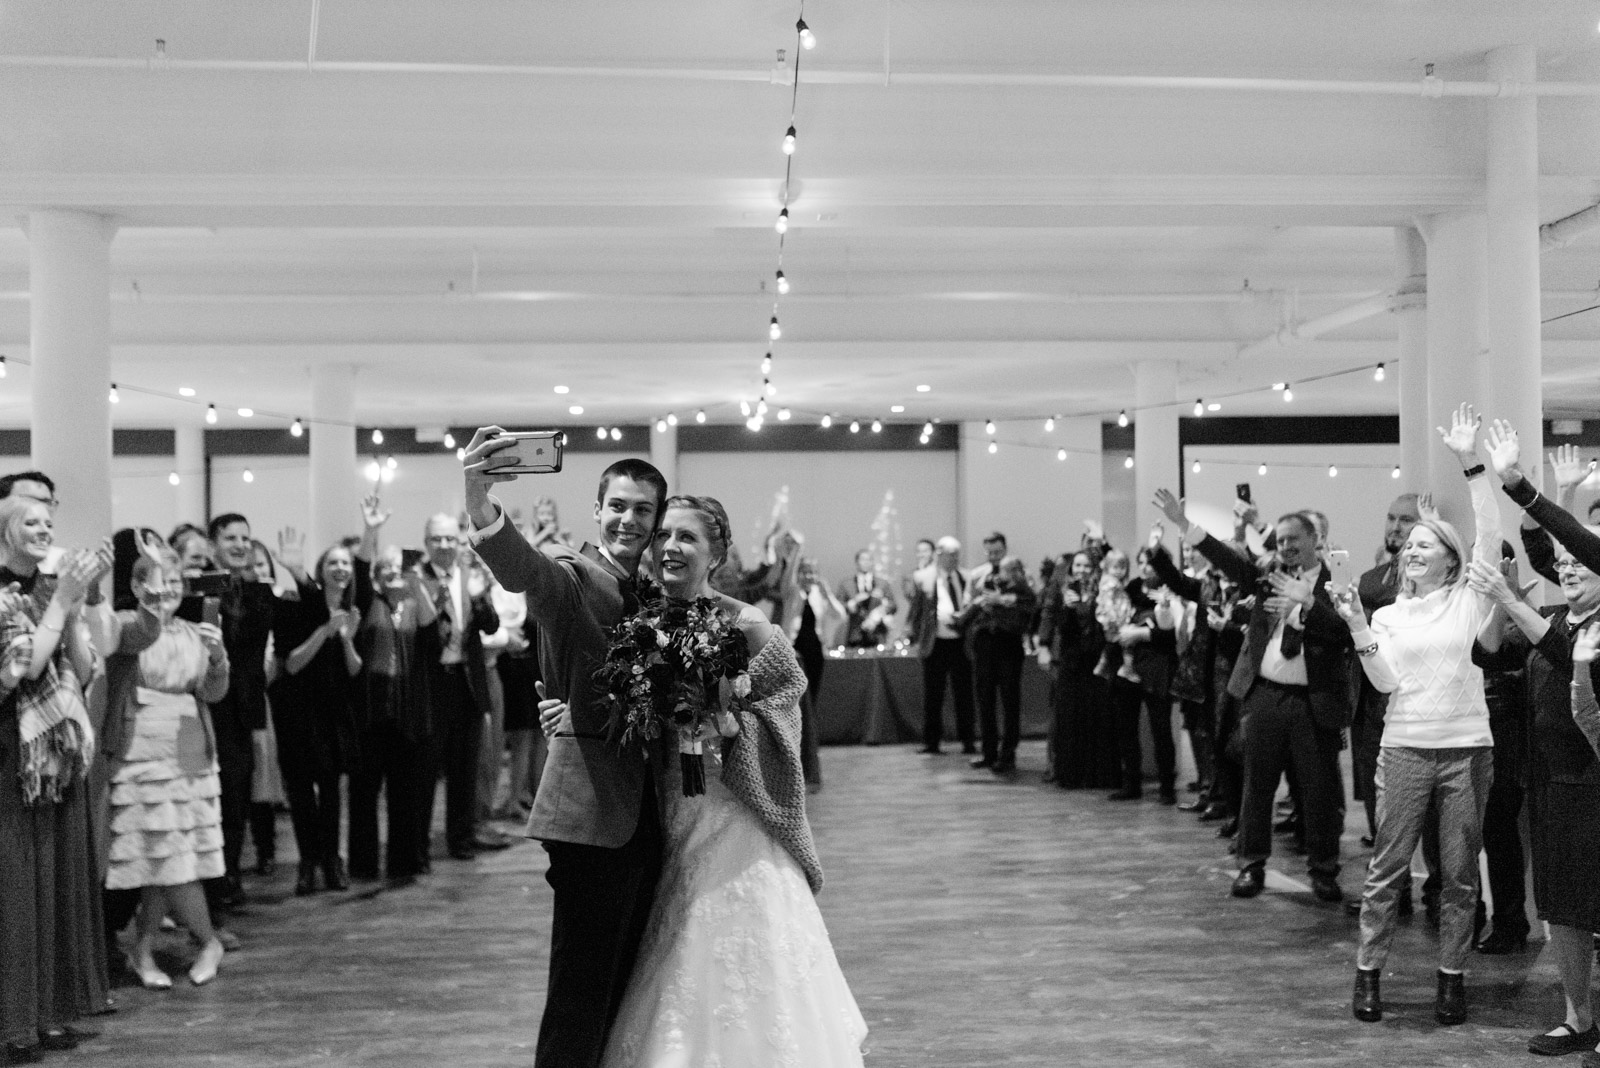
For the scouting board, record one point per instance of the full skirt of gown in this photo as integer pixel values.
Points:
(736, 969)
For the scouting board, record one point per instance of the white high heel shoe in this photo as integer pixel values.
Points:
(206, 965)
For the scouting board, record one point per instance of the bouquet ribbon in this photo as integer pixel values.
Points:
(690, 762)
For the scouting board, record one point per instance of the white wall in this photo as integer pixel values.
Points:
(1036, 500)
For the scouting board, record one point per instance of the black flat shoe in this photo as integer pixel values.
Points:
(64, 1038)
(1450, 1003)
(1326, 887)
(1250, 881)
(334, 875)
(1570, 1040)
(1229, 828)
(1213, 813)
(1365, 1004)
(306, 884)
(1498, 944)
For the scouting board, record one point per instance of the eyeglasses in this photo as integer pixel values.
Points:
(1570, 565)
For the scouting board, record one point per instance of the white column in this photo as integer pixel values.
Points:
(1458, 332)
(335, 484)
(189, 461)
(1512, 202)
(69, 341)
(664, 453)
(1416, 432)
(1155, 441)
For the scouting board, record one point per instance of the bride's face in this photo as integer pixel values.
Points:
(684, 554)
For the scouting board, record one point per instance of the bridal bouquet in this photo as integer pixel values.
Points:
(664, 671)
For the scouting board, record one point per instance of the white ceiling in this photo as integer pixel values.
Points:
(470, 240)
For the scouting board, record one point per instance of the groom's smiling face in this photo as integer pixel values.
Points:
(627, 514)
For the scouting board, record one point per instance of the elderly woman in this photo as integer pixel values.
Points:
(49, 937)
(166, 816)
(1437, 750)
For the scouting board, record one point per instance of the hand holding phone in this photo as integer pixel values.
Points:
(1339, 566)
(539, 452)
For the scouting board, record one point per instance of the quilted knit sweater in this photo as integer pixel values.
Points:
(1424, 657)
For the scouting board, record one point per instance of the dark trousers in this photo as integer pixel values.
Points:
(314, 794)
(1200, 722)
(947, 660)
(264, 830)
(459, 725)
(1127, 701)
(810, 758)
(602, 903)
(1227, 789)
(1078, 696)
(236, 765)
(1502, 842)
(997, 670)
(1279, 733)
(394, 765)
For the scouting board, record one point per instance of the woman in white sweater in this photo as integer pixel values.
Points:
(1436, 749)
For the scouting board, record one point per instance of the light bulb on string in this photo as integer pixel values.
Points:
(927, 430)
(173, 479)
(1195, 467)
(1049, 425)
(298, 429)
(377, 436)
(1262, 470)
(249, 476)
(616, 433)
(672, 419)
(3, 367)
(855, 426)
(826, 421)
(1288, 394)
(115, 399)
(600, 433)
(1128, 463)
(373, 471)
(661, 426)
(783, 415)
(1377, 373)
(1333, 471)
(1199, 407)
(449, 440)
(761, 407)
(185, 391)
(768, 388)
(782, 225)
(1061, 454)
(246, 413)
(391, 463)
(994, 447)
(788, 141)
(1396, 472)
(700, 416)
(575, 409)
(783, 283)
(1213, 407)
(877, 426)
(924, 439)
(988, 427)
(744, 408)
(461, 454)
(808, 40)
(774, 331)
(766, 364)
(1122, 417)
(211, 414)
(753, 423)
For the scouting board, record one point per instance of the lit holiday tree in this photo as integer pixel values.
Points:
(885, 545)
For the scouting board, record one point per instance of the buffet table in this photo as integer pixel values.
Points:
(874, 697)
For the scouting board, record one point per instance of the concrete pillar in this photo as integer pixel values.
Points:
(1156, 460)
(189, 461)
(335, 484)
(664, 453)
(1458, 332)
(1416, 432)
(69, 332)
(1512, 206)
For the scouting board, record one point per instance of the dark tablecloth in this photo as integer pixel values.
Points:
(877, 700)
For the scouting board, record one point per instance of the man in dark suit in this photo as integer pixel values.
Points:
(868, 604)
(459, 686)
(596, 808)
(1292, 679)
(936, 621)
(1002, 603)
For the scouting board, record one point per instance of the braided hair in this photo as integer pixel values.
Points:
(715, 518)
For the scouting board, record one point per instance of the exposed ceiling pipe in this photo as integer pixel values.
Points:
(1427, 87)
(311, 44)
(1563, 232)
(1308, 329)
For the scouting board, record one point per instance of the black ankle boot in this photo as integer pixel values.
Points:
(1450, 1004)
(307, 883)
(1365, 1002)
(333, 873)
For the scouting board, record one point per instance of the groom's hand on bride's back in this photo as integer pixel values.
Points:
(486, 452)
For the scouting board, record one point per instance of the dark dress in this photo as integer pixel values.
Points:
(1080, 738)
(808, 648)
(1563, 779)
(312, 714)
(52, 958)
(1153, 661)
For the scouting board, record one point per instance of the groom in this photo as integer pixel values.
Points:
(596, 809)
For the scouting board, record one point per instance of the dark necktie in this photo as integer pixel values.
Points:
(629, 588)
(955, 590)
(441, 603)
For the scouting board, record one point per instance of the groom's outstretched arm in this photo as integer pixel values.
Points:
(518, 566)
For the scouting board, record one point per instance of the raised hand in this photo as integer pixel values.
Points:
(1301, 589)
(485, 453)
(1093, 530)
(373, 513)
(1156, 533)
(1347, 602)
(78, 570)
(1586, 644)
(1462, 437)
(292, 549)
(1505, 451)
(1425, 508)
(211, 637)
(1172, 508)
(1486, 581)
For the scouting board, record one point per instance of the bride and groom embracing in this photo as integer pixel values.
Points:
(684, 929)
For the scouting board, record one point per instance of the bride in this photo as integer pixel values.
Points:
(736, 967)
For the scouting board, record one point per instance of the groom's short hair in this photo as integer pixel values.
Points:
(641, 471)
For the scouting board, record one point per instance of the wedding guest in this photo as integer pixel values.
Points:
(49, 923)
(313, 635)
(1292, 681)
(1144, 685)
(1070, 642)
(546, 526)
(923, 569)
(193, 549)
(869, 604)
(518, 665)
(166, 816)
(266, 778)
(512, 608)
(938, 619)
(1437, 749)
(809, 606)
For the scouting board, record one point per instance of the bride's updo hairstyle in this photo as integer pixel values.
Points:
(713, 517)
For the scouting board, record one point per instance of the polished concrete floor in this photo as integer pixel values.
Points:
(980, 920)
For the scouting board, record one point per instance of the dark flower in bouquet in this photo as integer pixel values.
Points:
(665, 670)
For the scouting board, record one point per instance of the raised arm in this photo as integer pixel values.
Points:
(1367, 639)
(1585, 708)
(1505, 454)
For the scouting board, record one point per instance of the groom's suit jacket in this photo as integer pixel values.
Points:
(591, 791)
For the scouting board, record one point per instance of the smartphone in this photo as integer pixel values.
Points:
(1242, 491)
(1339, 565)
(211, 611)
(208, 583)
(539, 451)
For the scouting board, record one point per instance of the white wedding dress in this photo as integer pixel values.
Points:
(736, 969)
